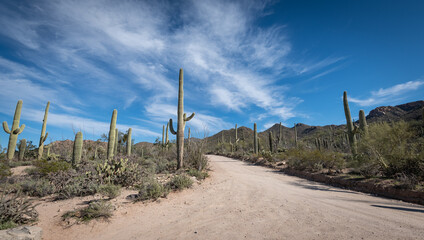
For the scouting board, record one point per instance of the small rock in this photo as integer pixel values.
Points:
(22, 233)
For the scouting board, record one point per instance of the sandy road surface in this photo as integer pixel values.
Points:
(241, 201)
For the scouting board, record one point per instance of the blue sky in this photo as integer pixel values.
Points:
(244, 62)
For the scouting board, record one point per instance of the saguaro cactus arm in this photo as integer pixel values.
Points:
(19, 130)
(171, 127)
(6, 127)
(186, 119)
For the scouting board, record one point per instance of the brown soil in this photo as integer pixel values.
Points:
(242, 201)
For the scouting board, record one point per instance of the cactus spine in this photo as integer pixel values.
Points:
(111, 142)
(129, 142)
(44, 135)
(22, 147)
(76, 157)
(16, 130)
(363, 123)
(351, 130)
(182, 119)
(255, 139)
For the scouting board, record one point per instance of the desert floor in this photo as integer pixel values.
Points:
(242, 201)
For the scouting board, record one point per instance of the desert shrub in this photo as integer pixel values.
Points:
(200, 175)
(397, 148)
(15, 210)
(13, 164)
(195, 158)
(37, 187)
(151, 189)
(109, 190)
(180, 182)
(119, 171)
(44, 167)
(97, 209)
(267, 155)
(314, 160)
(78, 187)
(4, 171)
(61, 179)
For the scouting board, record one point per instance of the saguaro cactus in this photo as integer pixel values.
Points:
(166, 134)
(163, 135)
(255, 139)
(363, 122)
(44, 135)
(111, 142)
(16, 130)
(22, 147)
(182, 119)
(295, 135)
(280, 134)
(351, 130)
(115, 150)
(271, 141)
(76, 157)
(129, 142)
(188, 138)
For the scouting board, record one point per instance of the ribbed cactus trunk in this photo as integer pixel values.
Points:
(111, 142)
(188, 138)
(115, 150)
(22, 147)
(166, 134)
(163, 135)
(15, 131)
(295, 135)
(43, 135)
(236, 132)
(129, 142)
(363, 123)
(280, 134)
(351, 131)
(48, 151)
(181, 122)
(271, 142)
(76, 156)
(255, 139)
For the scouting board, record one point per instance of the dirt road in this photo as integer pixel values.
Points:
(241, 201)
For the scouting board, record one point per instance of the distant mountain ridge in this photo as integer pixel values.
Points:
(407, 112)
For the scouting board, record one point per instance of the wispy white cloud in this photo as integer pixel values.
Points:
(388, 94)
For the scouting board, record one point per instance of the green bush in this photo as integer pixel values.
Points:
(180, 182)
(98, 209)
(37, 188)
(4, 171)
(15, 210)
(151, 189)
(78, 187)
(200, 175)
(109, 190)
(44, 167)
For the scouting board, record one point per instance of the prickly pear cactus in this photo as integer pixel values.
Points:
(44, 135)
(182, 119)
(111, 142)
(76, 156)
(16, 130)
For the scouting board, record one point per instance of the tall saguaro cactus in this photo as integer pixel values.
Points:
(363, 123)
(163, 135)
(76, 156)
(351, 130)
(182, 119)
(129, 142)
(271, 142)
(115, 150)
(111, 141)
(166, 134)
(295, 135)
(44, 135)
(16, 130)
(22, 147)
(280, 134)
(255, 139)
